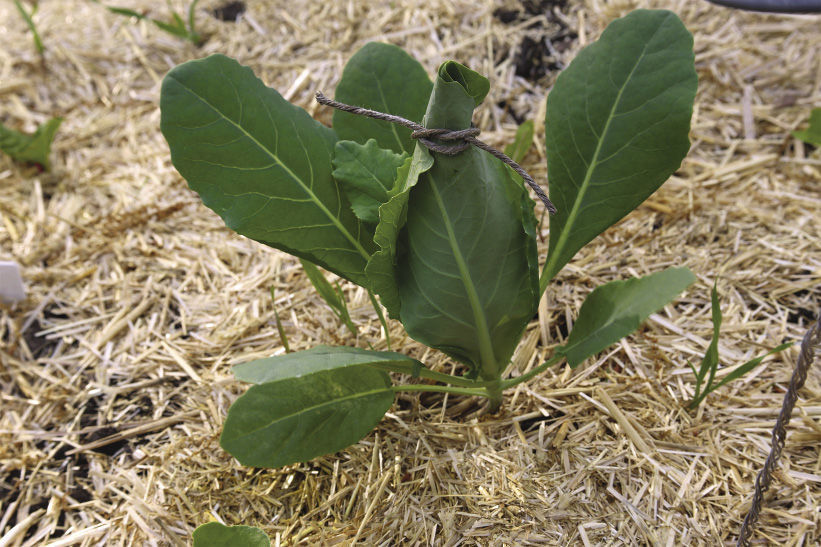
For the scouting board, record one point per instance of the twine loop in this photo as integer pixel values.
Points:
(463, 139)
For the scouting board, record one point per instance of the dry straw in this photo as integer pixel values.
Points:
(140, 300)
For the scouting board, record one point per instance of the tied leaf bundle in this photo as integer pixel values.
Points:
(447, 242)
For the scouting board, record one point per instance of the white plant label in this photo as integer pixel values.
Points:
(11, 282)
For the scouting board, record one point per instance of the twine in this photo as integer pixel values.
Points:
(463, 138)
(762, 482)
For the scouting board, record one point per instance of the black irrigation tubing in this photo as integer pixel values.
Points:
(464, 137)
(808, 345)
(773, 6)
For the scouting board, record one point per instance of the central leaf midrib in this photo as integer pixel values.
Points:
(482, 330)
(303, 410)
(571, 218)
(387, 110)
(279, 162)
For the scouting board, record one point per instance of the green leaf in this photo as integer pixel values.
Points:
(34, 148)
(319, 359)
(367, 173)
(282, 336)
(518, 149)
(812, 134)
(709, 364)
(464, 255)
(616, 127)
(261, 163)
(214, 534)
(297, 419)
(381, 268)
(614, 310)
(384, 78)
(331, 296)
(172, 28)
(38, 43)
(747, 367)
(176, 27)
(378, 309)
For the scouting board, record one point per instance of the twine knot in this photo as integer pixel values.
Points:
(424, 135)
(464, 138)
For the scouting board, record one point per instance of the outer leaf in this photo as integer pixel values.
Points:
(517, 150)
(318, 359)
(381, 268)
(464, 276)
(382, 77)
(812, 134)
(261, 163)
(297, 419)
(214, 534)
(616, 309)
(616, 127)
(367, 173)
(34, 148)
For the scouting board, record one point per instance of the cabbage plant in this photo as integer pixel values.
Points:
(448, 243)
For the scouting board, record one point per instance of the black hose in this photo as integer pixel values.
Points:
(773, 6)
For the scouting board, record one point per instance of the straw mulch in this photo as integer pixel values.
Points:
(115, 372)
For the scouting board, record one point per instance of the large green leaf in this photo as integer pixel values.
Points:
(616, 127)
(214, 534)
(34, 148)
(614, 310)
(384, 78)
(367, 173)
(320, 358)
(464, 273)
(261, 163)
(300, 418)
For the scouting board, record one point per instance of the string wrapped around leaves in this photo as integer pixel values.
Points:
(463, 138)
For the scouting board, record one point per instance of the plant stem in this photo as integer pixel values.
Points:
(510, 382)
(480, 392)
(495, 395)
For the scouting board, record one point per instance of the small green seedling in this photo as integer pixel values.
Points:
(331, 294)
(812, 134)
(447, 242)
(518, 149)
(177, 26)
(28, 17)
(34, 148)
(335, 298)
(282, 336)
(709, 364)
